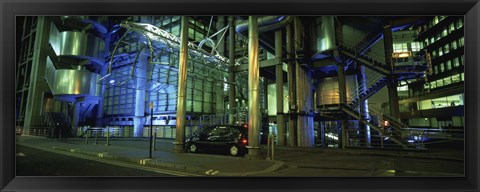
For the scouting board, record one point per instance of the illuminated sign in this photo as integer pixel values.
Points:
(402, 54)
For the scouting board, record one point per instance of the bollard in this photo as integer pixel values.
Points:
(96, 137)
(273, 147)
(154, 139)
(108, 136)
(268, 147)
(86, 138)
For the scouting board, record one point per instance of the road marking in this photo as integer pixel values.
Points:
(128, 165)
(20, 155)
(208, 172)
(211, 172)
(101, 155)
(143, 161)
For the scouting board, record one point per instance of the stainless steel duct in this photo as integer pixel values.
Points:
(77, 45)
(71, 81)
(324, 34)
(254, 118)
(182, 87)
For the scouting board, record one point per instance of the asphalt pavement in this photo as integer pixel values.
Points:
(288, 161)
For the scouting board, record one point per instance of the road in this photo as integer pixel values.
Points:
(35, 162)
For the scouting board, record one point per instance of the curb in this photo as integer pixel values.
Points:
(180, 167)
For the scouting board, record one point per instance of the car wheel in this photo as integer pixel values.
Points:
(234, 150)
(193, 148)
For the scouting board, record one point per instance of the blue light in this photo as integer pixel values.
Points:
(112, 81)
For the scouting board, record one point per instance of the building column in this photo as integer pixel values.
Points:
(392, 83)
(231, 74)
(38, 85)
(292, 122)
(362, 81)
(342, 91)
(254, 114)
(304, 128)
(279, 88)
(141, 77)
(182, 88)
(219, 92)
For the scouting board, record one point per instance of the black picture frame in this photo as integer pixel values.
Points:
(9, 9)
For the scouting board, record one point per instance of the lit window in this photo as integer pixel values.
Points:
(456, 78)
(435, 69)
(442, 68)
(462, 76)
(454, 45)
(432, 39)
(426, 86)
(444, 32)
(440, 52)
(452, 27)
(415, 46)
(460, 23)
(463, 60)
(447, 81)
(439, 83)
(461, 43)
(433, 85)
(435, 20)
(446, 48)
(434, 53)
(449, 64)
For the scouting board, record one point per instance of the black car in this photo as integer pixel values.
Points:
(227, 138)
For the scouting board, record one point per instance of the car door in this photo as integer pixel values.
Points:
(217, 137)
(203, 136)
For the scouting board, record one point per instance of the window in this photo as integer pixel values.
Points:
(449, 65)
(442, 68)
(432, 39)
(219, 131)
(444, 32)
(463, 60)
(462, 77)
(433, 85)
(454, 45)
(400, 47)
(435, 20)
(434, 53)
(435, 69)
(452, 27)
(459, 23)
(461, 42)
(447, 81)
(439, 83)
(456, 62)
(456, 78)
(440, 51)
(415, 46)
(446, 48)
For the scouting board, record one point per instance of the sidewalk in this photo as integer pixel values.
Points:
(135, 150)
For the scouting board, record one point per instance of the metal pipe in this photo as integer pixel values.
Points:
(182, 87)
(254, 119)
(342, 89)
(279, 82)
(231, 74)
(301, 86)
(140, 74)
(265, 23)
(291, 87)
